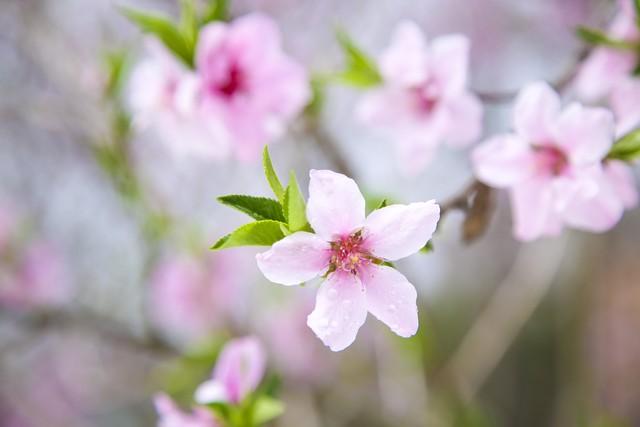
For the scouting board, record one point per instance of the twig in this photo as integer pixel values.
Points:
(104, 327)
(507, 311)
(328, 146)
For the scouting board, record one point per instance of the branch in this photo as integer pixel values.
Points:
(106, 328)
(477, 202)
(509, 308)
(327, 144)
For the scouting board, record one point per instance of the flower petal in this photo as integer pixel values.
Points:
(391, 298)
(585, 134)
(341, 309)
(404, 62)
(532, 207)
(240, 367)
(295, 259)
(620, 177)
(625, 103)
(465, 120)
(594, 212)
(503, 160)
(211, 391)
(398, 231)
(535, 111)
(210, 41)
(450, 61)
(336, 206)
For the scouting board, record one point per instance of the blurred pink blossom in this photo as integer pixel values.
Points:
(191, 297)
(238, 371)
(350, 249)
(172, 416)
(245, 81)
(286, 329)
(606, 67)
(36, 279)
(553, 165)
(155, 104)
(423, 100)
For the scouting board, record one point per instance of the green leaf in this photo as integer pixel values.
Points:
(361, 71)
(259, 233)
(272, 177)
(218, 10)
(294, 205)
(383, 204)
(266, 409)
(314, 106)
(165, 30)
(636, 4)
(626, 148)
(116, 64)
(427, 248)
(189, 24)
(258, 208)
(598, 37)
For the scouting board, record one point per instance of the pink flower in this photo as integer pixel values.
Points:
(285, 328)
(158, 100)
(238, 371)
(554, 166)
(350, 250)
(191, 297)
(172, 416)
(625, 103)
(246, 83)
(36, 280)
(423, 100)
(606, 66)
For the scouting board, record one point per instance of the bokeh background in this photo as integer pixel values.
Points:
(108, 292)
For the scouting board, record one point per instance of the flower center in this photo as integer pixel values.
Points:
(348, 253)
(427, 97)
(552, 160)
(233, 83)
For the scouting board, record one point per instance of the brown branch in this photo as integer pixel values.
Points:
(106, 328)
(327, 144)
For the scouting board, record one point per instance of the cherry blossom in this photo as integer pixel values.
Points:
(191, 296)
(554, 166)
(159, 102)
(246, 83)
(350, 250)
(36, 279)
(238, 371)
(603, 70)
(172, 416)
(423, 100)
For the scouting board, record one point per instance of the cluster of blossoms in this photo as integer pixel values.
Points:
(238, 372)
(242, 93)
(243, 90)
